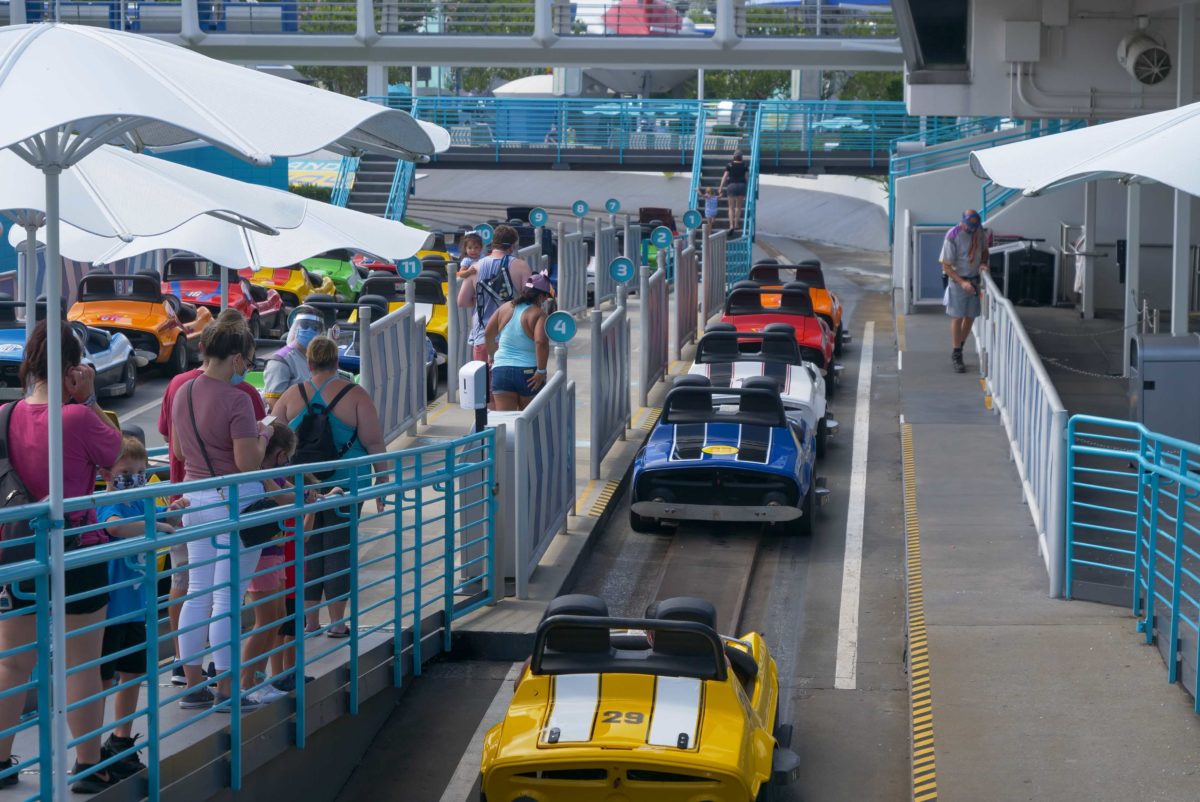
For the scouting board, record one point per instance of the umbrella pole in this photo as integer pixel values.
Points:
(28, 279)
(224, 288)
(54, 373)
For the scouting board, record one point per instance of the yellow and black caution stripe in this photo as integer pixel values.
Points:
(606, 494)
(651, 418)
(924, 763)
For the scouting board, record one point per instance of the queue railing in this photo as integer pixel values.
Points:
(543, 477)
(610, 401)
(1133, 533)
(712, 296)
(607, 249)
(572, 271)
(393, 367)
(1034, 419)
(389, 533)
(653, 327)
(737, 260)
(458, 329)
(686, 295)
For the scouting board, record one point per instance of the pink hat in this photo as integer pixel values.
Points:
(540, 282)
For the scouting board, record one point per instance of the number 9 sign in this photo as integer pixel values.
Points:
(560, 327)
(538, 216)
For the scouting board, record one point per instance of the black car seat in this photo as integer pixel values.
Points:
(8, 309)
(378, 304)
(435, 265)
(795, 299)
(719, 326)
(702, 611)
(585, 640)
(427, 288)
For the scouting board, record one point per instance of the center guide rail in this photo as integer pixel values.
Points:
(413, 530)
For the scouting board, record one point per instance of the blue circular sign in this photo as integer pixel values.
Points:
(661, 237)
(485, 232)
(408, 269)
(538, 216)
(622, 270)
(579, 208)
(560, 327)
(692, 218)
(612, 206)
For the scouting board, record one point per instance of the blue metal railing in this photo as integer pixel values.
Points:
(994, 198)
(748, 214)
(413, 528)
(345, 178)
(693, 199)
(1133, 521)
(398, 196)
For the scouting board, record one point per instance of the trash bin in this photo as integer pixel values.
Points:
(1164, 383)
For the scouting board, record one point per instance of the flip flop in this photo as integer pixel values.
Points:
(344, 632)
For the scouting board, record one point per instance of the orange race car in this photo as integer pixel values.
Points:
(162, 329)
(825, 303)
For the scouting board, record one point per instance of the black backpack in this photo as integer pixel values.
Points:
(13, 493)
(314, 435)
(498, 287)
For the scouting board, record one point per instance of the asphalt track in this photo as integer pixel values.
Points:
(853, 741)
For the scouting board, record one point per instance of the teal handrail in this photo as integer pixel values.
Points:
(748, 214)
(345, 177)
(693, 199)
(402, 180)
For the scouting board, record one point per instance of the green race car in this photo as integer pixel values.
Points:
(340, 268)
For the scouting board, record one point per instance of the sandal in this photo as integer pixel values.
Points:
(338, 632)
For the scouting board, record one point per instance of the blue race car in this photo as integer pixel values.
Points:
(348, 359)
(726, 454)
(109, 353)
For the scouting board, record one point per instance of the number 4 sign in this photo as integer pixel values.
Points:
(560, 327)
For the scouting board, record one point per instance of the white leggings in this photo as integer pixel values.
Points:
(210, 579)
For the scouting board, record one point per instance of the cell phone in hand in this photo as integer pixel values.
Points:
(267, 421)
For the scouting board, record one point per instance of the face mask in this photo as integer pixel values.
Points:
(305, 336)
(971, 224)
(128, 481)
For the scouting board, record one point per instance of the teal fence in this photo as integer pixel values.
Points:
(409, 534)
(342, 183)
(1133, 531)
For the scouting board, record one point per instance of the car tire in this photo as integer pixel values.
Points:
(643, 525)
(431, 383)
(822, 438)
(803, 526)
(830, 382)
(178, 362)
(837, 341)
(129, 378)
(255, 325)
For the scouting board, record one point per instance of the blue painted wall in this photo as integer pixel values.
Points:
(206, 158)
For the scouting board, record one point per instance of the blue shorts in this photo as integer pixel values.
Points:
(513, 380)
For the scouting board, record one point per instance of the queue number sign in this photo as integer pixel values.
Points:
(612, 206)
(538, 216)
(692, 218)
(561, 328)
(408, 269)
(485, 232)
(622, 270)
(661, 237)
(579, 208)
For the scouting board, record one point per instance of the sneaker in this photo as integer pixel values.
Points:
(178, 677)
(249, 703)
(9, 780)
(93, 783)
(957, 358)
(267, 694)
(288, 684)
(127, 766)
(197, 699)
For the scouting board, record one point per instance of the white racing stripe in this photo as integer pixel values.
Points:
(462, 782)
(676, 711)
(573, 711)
(845, 674)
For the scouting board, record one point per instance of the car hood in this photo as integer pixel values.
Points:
(119, 314)
(278, 277)
(201, 291)
(12, 344)
(733, 445)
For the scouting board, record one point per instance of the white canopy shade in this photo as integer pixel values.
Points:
(322, 228)
(115, 193)
(150, 93)
(1157, 147)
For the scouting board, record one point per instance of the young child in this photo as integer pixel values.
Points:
(472, 247)
(127, 600)
(264, 593)
(711, 200)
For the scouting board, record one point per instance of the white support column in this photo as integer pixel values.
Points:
(1181, 252)
(377, 80)
(1088, 302)
(700, 84)
(1133, 265)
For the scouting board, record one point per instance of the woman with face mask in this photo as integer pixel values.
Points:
(288, 366)
(214, 433)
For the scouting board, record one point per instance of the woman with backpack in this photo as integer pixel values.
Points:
(517, 342)
(90, 441)
(497, 278)
(334, 419)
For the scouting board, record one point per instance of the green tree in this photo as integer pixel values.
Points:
(864, 85)
(741, 84)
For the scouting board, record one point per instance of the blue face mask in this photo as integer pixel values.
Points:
(305, 336)
(237, 378)
(971, 223)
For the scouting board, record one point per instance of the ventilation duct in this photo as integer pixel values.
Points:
(1145, 58)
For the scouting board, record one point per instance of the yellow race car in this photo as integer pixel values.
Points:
(294, 284)
(430, 294)
(658, 709)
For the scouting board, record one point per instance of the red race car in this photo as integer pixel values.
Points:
(198, 281)
(744, 308)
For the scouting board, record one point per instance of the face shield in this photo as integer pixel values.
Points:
(305, 326)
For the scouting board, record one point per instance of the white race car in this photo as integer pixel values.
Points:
(729, 357)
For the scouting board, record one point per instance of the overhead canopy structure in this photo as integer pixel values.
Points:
(1153, 147)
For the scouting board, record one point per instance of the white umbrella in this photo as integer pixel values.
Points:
(67, 90)
(322, 228)
(1157, 147)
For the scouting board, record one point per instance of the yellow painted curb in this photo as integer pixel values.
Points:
(920, 686)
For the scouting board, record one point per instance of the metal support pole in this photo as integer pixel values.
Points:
(560, 359)
(700, 84)
(1133, 265)
(377, 81)
(29, 280)
(364, 350)
(1181, 262)
(644, 335)
(224, 288)
(594, 412)
(1088, 301)
(454, 337)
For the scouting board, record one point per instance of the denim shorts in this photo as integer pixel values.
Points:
(735, 189)
(512, 380)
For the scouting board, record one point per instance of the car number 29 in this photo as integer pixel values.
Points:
(622, 717)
